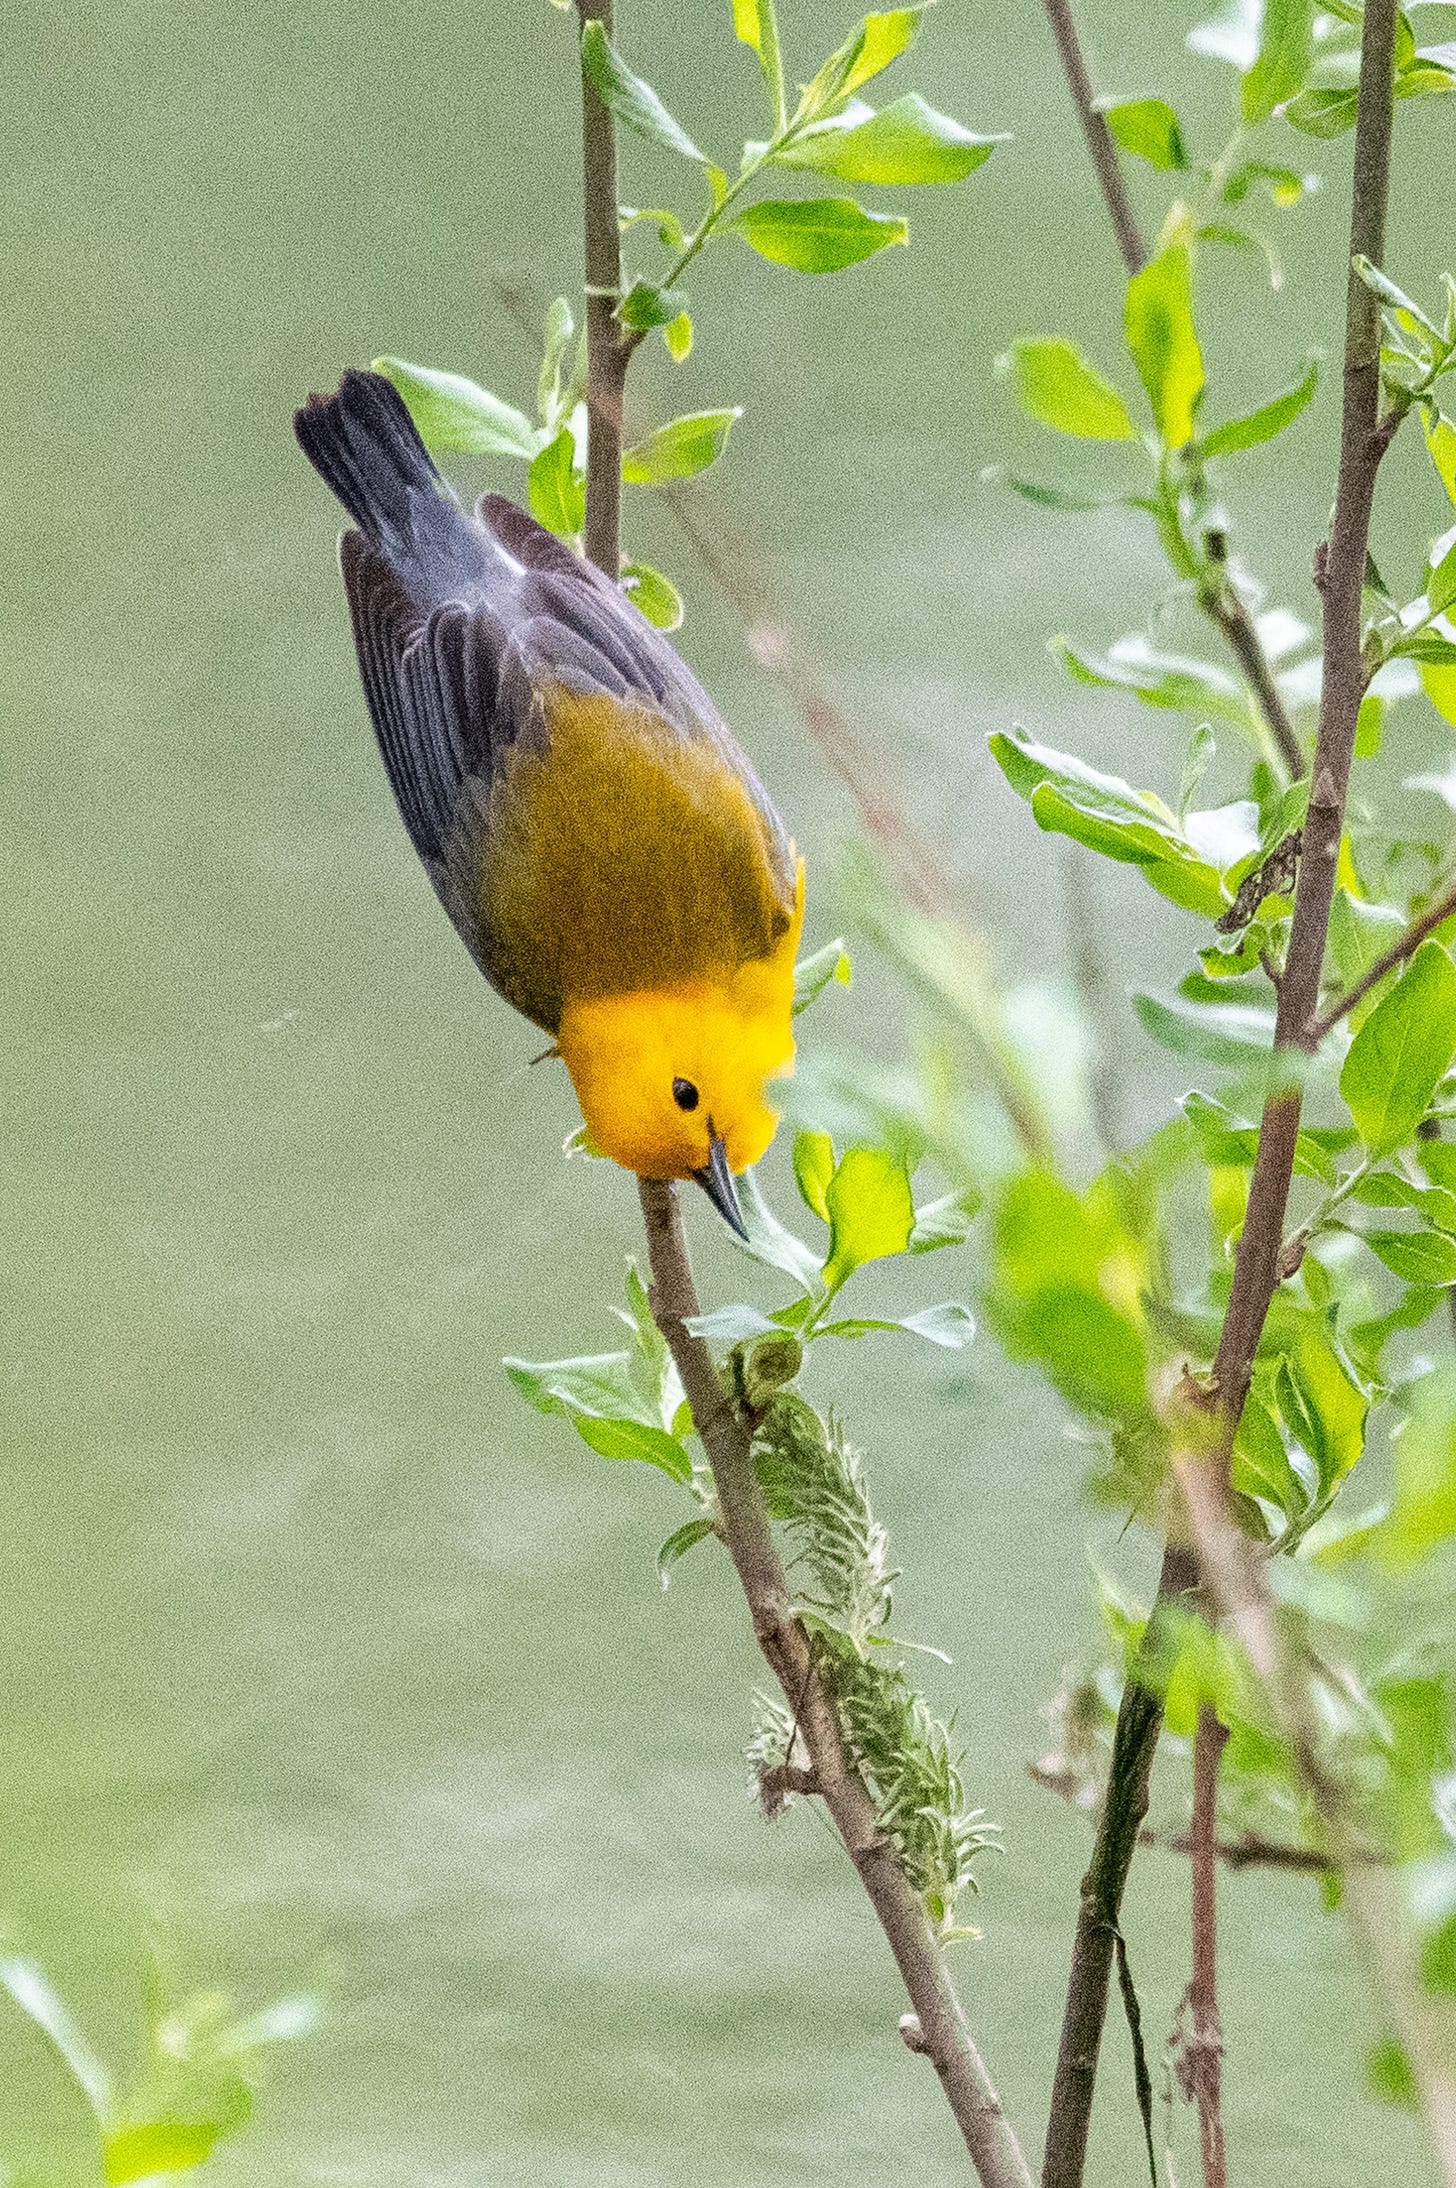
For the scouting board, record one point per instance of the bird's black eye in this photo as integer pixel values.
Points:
(684, 1093)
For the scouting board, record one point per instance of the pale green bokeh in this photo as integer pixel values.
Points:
(321, 1651)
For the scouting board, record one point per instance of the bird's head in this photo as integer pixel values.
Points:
(673, 1082)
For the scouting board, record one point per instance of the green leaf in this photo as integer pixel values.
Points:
(1092, 1352)
(557, 490)
(1262, 424)
(1147, 127)
(869, 1210)
(1158, 680)
(679, 1543)
(1261, 1465)
(746, 24)
(1441, 448)
(1434, 1204)
(1109, 817)
(161, 2147)
(879, 40)
(1323, 113)
(634, 102)
(1441, 583)
(1285, 185)
(1161, 340)
(678, 335)
(624, 1405)
(646, 306)
(945, 1222)
(733, 1325)
(814, 973)
(1216, 1033)
(1054, 384)
(1286, 48)
(560, 327)
(679, 450)
(1417, 1257)
(950, 1324)
(770, 1242)
(1423, 1511)
(653, 595)
(1401, 1052)
(813, 1170)
(454, 417)
(1394, 298)
(906, 142)
(816, 235)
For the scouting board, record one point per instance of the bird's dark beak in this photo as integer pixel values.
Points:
(717, 1182)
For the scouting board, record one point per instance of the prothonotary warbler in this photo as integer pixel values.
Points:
(605, 850)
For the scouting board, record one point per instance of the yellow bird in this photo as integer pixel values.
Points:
(605, 850)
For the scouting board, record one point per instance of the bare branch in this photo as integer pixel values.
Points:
(940, 2030)
(1099, 137)
(1207, 2036)
(1404, 946)
(1225, 608)
(606, 354)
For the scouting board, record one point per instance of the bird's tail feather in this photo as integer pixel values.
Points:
(364, 446)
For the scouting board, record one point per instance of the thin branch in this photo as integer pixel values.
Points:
(606, 370)
(1404, 946)
(1225, 608)
(1125, 1805)
(1256, 1264)
(1206, 2065)
(1099, 137)
(1250, 1850)
(941, 2032)
(743, 1513)
(1341, 567)
(1238, 1583)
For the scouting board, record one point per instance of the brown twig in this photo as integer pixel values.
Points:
(1341, 567)
(1238, 1585)
(607, 356)
(1250, 1850)
(941, 2032)
(1099, 137)
(1404, 946)
(1125, 1805)
(1206, 2065)
(1224, 607)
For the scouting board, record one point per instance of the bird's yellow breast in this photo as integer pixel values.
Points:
(626, 857)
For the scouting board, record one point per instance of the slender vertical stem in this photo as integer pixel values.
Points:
(1125, 1804)
(939, 2027)
(939, 2031)
(1099, 137)
(1208, 1746)
(607, 353)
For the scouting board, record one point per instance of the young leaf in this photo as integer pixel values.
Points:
(1161, 340)
(1147, 127)
(1322, 113)
(813, 974)
(678, 335)
(600, 1398)
(1441, 448)
(32, 1992)
(646, 306)
(557, 491)
(1286, 48)
(678, 1544)
(879, 40)
(906, 142)
(1262, 424)
(816, 235)
(813, 1170)
(1216, 1033)
(679, 450)
(634, 102)
(870, 1212)
(950, 1324)
(1418, 1257)
(746, 24)
(1400, 1054)
(158, 2149)
(454, 417)
(945, 1222)
(1441, 583)
(1054, 384)
(772, 1243)
(653, 595)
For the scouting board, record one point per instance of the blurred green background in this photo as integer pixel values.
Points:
(323, 1658)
